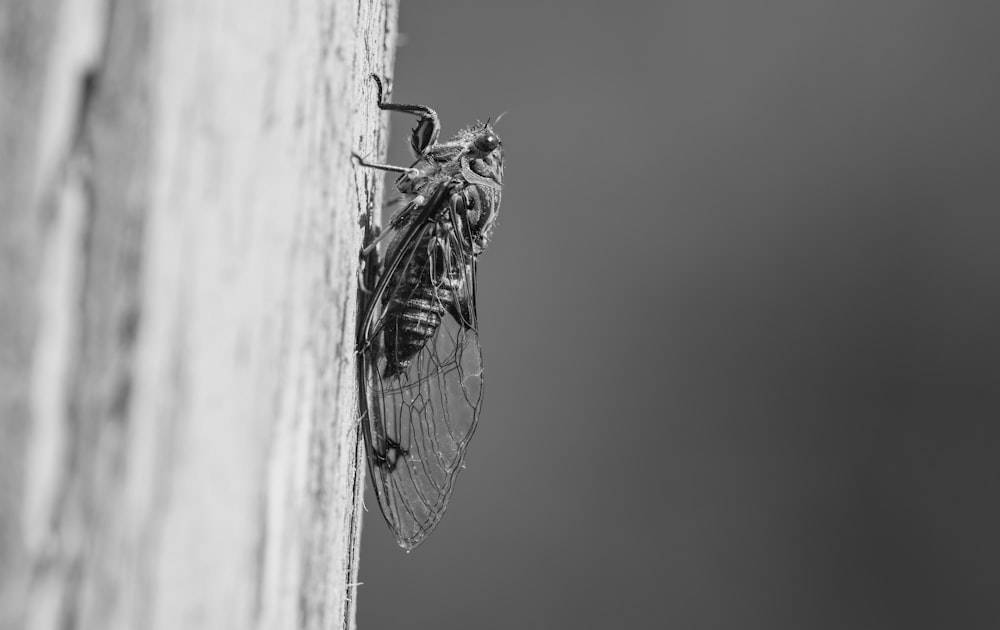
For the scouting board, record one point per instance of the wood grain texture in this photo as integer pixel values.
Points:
(178, 273)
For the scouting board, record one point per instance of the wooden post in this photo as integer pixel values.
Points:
(178, 252)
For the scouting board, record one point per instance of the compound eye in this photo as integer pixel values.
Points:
(487, 142)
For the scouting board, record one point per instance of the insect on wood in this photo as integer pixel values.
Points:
(420, 367)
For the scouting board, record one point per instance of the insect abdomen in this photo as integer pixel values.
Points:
(414, 310)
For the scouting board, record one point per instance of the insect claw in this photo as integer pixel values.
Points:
(378, 84)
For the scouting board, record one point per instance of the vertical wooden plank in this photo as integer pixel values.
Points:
(178, 386)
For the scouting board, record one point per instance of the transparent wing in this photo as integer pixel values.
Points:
(419, 418)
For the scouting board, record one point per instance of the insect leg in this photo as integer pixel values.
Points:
(412, 172)
(428, 128)
(388, 456)
(395, 221)
(369, 261)
(461, 258)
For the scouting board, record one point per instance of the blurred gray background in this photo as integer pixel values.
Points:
(739, 318)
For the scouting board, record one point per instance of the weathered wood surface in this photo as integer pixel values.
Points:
(178, 258)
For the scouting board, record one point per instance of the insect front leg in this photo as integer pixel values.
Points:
(425, 134)
(459, 260)
(465, 213)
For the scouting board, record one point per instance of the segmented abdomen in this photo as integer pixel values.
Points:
(424, 291)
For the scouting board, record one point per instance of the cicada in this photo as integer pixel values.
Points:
(420, 366)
